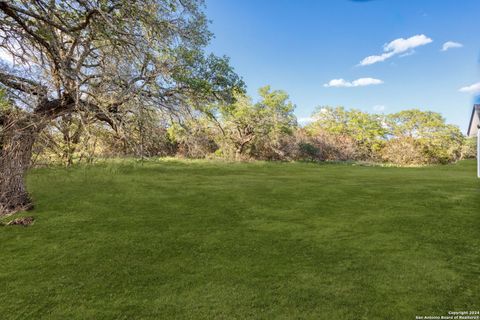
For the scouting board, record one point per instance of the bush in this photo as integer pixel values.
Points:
(324, 146)
(469, 149)
(404, 151)
(307, 151)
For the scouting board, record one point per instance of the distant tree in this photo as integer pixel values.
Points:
(330, 119)
(277, 125)
(238, 126)
(427, 133)
(415, 123)
(244, 127)
(102, 57)
(367, 130)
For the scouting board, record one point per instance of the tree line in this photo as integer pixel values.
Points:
(264, 130)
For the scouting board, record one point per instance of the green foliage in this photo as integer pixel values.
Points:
(5, 105)
(113, 60)
(208, 79)
(365, 129)
(404, 151)
(415, 123)
(437, 141)
(246, 129)
(406, 137)
(276, 110)
(308, 151)
(267, 130)
(192, 138)
(470, 148)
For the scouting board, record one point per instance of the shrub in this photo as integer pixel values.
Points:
(307, 151)
(469, 149)
(404, 151)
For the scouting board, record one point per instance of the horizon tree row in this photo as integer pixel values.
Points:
(264, 130)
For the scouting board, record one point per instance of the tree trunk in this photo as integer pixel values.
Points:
(238, 153)
(17, 137)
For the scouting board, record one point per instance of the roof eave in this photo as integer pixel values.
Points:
(475, 110)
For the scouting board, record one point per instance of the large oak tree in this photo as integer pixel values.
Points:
(104, 57)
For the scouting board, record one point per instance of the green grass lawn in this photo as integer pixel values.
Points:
(213, 240)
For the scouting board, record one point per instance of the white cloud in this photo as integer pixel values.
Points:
(379, 108)
(450, 44)
(366, 82)
(401, 45)
(397, 46)
(374, 59)
(361, 82)
(337, 83)
(474, 88)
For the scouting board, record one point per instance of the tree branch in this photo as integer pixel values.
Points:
(22, 84)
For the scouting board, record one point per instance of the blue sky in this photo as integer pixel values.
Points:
(301, 45)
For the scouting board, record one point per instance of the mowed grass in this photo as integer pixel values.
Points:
(212, 240)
